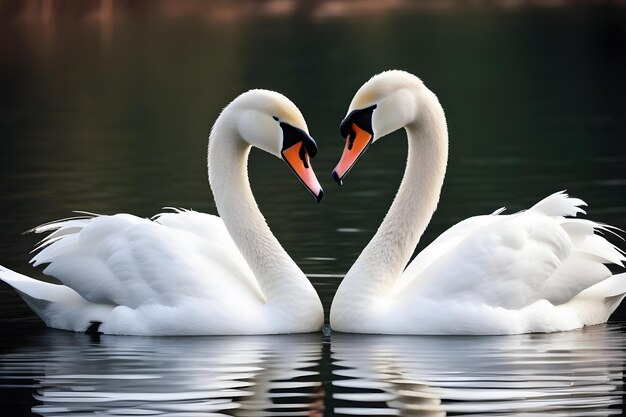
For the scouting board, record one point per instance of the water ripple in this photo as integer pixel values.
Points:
(574, 373)
(210, 376)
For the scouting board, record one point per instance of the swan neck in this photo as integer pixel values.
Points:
(383, 260)
(278, 276)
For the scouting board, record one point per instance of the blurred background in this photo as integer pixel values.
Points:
(106, 106)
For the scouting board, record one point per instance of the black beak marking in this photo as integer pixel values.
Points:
(319, 197)
(293, 135)
(362, 118)
(337, 179)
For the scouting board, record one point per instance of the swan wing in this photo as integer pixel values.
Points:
(442, 245)
(129, 261)
(511, 261)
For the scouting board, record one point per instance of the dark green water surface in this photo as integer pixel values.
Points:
(106, 107)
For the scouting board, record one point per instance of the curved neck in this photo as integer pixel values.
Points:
(278, 276)
(385, 257)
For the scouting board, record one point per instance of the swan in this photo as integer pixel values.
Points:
(539, 270)
(184, 272)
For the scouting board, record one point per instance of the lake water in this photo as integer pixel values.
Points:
(106, 107)
(59, 373)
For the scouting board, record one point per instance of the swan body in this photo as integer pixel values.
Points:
(539, 270)
(184, 272)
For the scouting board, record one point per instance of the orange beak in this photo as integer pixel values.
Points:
(355, 146)
(297, 158)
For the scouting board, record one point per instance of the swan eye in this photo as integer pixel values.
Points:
(275, 118)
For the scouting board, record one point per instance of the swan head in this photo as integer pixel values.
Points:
(384, 104)
(270, 121)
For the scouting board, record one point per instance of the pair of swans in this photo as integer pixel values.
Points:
(188, 273)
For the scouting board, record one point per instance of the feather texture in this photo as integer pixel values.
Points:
(539, 270)
(177, 274)
(182, 272)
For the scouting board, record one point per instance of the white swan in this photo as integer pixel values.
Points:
(534, 271)
(187, 273)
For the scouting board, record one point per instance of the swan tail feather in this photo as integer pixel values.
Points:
(587, 237)
(57, 305)
(611, 287)
(597, 303)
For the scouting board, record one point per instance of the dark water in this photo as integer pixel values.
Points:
(56, 373)
(106, 107)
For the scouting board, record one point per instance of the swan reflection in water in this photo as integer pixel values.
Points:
(573, 373)
(208, 376)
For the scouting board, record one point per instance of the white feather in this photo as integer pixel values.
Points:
(538, 270)
(183, 272)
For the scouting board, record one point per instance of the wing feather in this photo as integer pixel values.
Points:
(130, 261)
(512, 261)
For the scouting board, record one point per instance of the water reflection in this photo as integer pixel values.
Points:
(574, 373)
(106, 107)
(238, 376)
